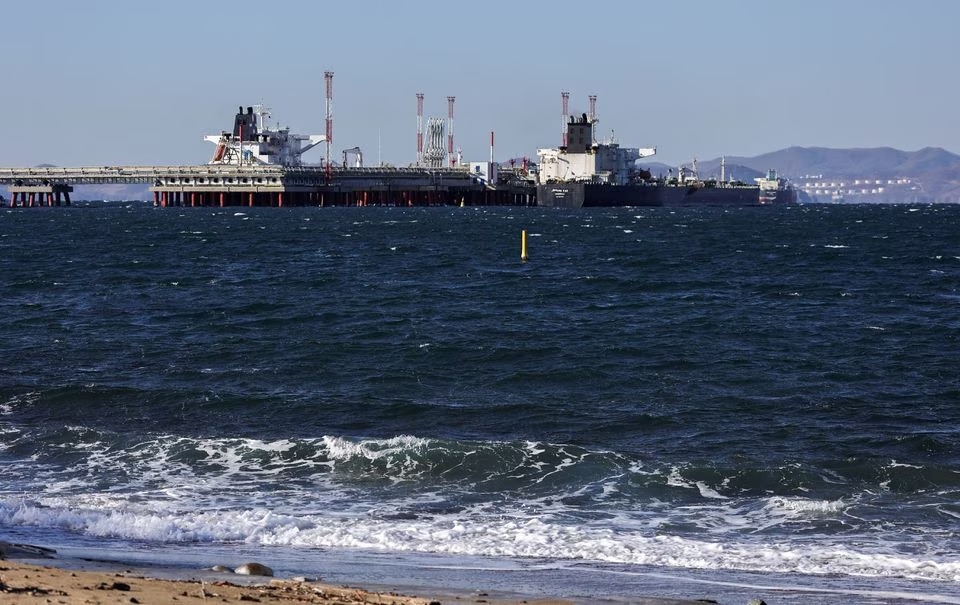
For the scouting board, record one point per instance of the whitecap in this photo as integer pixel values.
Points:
(708, 492)
(339, 448)
(803, 505)
(895, 464)
(491, 536)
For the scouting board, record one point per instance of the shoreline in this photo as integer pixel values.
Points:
(30, 574)
(33, 581)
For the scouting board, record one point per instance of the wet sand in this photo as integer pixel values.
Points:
(84, 582)
(22, 582)
(34, 574)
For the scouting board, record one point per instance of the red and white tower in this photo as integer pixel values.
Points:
(565, 96)
(450, 156)
(593, 115)
(328, 78)
(419, 128)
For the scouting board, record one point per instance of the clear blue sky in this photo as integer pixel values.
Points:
(107, 82)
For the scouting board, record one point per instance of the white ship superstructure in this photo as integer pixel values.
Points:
(771, 186)
(252, 143)
(584, 160)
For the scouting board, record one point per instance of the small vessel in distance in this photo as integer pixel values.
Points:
(775, 189)
(585, 173)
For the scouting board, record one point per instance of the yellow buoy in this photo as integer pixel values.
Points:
(523, 245)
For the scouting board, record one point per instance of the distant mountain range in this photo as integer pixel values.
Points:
(931, 174)
(880, 174)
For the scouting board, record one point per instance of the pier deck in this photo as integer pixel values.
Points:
(269, 185)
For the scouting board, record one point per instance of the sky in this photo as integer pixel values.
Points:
(135, 82)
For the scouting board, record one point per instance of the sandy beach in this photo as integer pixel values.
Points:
(33, 574)
(22, 582)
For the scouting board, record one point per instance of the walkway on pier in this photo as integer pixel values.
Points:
(268, 185)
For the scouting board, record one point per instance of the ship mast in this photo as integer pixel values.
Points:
(262, 112)
(593, 116)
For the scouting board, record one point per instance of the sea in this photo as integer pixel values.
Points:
(690, 403)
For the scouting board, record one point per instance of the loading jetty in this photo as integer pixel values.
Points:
(221, 185)
(259, 164)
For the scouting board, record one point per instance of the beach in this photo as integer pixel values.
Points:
(72, 581)
(22, 582)
(26, 583)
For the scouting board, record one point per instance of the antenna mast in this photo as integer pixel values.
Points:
(419, 128)
(450, 155)
(262, 112)
(565, 97)
(328, 77)
(593, 116)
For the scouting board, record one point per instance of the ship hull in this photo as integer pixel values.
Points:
(585, 195)
(779, 197)
(674, 195)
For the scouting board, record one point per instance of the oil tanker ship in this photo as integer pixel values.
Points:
(585, 173)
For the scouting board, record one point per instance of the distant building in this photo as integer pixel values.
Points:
(821, 188)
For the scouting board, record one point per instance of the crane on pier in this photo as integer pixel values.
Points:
(354, 151)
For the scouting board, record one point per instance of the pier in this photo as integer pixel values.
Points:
(254, 164)
(221, 185)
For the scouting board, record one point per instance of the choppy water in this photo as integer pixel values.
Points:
(746, 397)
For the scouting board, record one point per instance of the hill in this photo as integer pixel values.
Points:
(931, 174)
(881, 162)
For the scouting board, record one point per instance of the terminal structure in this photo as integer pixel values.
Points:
(254, 164)
(278, 186)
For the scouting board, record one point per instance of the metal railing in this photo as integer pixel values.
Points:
(214, 175)
(149, 174)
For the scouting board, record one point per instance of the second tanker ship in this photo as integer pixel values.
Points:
(585, 173)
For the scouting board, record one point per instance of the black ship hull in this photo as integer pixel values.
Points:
(585, 195)
(779, 197)
(676, 195)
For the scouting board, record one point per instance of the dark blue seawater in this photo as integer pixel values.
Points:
(726, 403)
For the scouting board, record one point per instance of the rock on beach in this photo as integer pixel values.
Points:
(253, 569)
